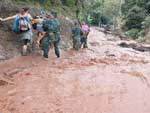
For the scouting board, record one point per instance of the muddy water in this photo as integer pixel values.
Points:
(102, 79)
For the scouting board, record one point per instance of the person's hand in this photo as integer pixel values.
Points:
(33, 21)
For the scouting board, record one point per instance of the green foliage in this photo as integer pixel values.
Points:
(135, 18)
(132, 33)
(101, 11)
(147, 7)
(46, 4)
(146, 23)
(68, 2)
(135, 13)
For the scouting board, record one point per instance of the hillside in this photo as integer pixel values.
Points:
(10, 42)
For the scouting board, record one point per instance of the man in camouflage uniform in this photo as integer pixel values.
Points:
(49, 36)
(56, 40)
(76, 32)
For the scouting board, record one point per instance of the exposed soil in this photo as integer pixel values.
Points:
(105, 78)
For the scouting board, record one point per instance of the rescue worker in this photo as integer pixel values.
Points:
(84, 38)
(49, 37)
(76, 35)
(56, 31)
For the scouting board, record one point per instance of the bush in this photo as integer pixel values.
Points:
(132, 33)
(135, 18)
(146, 23)
(148, 6)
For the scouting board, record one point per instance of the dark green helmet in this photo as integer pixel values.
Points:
(54, 14)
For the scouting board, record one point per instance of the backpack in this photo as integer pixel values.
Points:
(85, 28)
(51, 27)
(21, 24)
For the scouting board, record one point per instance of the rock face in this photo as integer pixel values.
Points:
(10, 44)
(2, 54)
(7, 7)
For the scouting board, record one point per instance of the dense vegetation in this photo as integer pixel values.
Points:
(136, 16)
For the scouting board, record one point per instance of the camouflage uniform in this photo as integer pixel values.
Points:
(45, 44)
(77, 32)
(57, 37)
(52, 36)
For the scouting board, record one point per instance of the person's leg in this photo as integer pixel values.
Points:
(27, 41)
(39, 45)
(46, 51)
(82, 42)
(57, 51)
(24, 47)
(85, 43)
(29, 46)
(78, 43)
(73, 43)
(45, 47)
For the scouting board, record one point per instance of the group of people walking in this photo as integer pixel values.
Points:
(48, 27)
(80, 34)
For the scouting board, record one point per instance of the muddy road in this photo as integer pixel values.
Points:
(105, 78)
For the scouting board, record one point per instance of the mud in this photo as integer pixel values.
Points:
(105, 78)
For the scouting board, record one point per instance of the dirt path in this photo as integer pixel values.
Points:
(103, 79)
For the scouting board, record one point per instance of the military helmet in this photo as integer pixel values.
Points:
(54, 13)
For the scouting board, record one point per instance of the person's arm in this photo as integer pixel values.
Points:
(32, 19)
(81, 31)
(35, 21)
(8, 18)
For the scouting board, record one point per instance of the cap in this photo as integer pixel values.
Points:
(41, 12)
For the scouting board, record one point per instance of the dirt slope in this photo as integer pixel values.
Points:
(102, 79)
